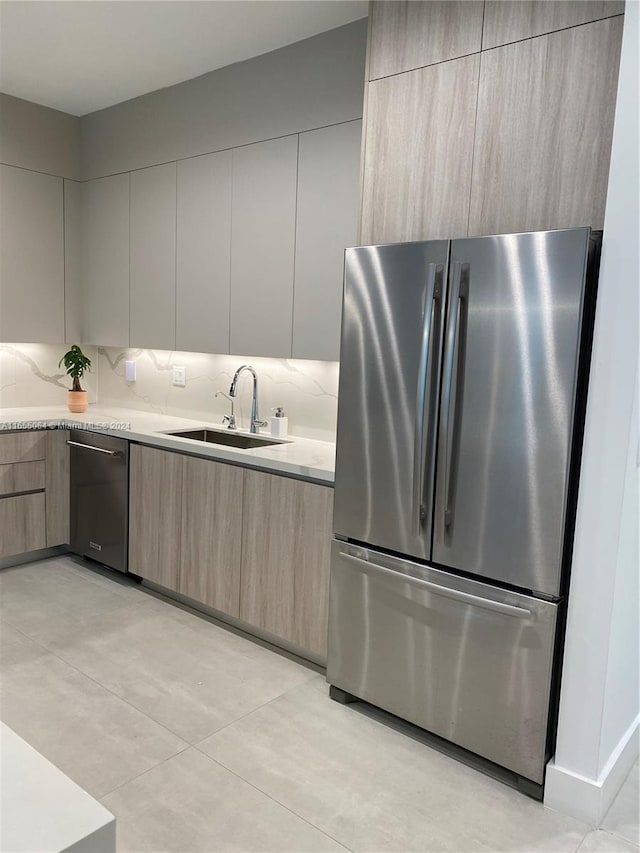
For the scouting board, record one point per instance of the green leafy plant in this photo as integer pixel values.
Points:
(76, 364)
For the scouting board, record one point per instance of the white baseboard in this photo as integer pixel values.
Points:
(589, 799)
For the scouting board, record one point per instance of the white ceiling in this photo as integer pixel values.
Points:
(85, 55)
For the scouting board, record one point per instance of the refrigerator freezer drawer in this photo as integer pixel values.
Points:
(465, 660)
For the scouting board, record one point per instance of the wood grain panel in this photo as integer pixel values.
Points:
(155, 506)
(511, 20)
(543, 135)
(211, 540)
(418, 153)
(57, 487)
(407, 35)
(22, 446)
(285, 558)
(22, 522)
(21, 477)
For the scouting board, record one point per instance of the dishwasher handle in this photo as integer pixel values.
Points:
(92, 447)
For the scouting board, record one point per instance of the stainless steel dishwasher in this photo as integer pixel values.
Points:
(100, 497)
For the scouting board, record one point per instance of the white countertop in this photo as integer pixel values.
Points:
(302, 457)
(42, 809)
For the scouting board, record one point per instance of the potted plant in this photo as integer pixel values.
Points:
(76, 364)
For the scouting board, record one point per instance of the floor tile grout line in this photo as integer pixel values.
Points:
(272, 798)
(144, 772)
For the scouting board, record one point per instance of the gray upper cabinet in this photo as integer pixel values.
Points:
(418, 153)
(72, 262)
(543, 140)
(105, 261)
(31, 257)
(203, 253)
(262, 247)
(407, 35)
(511, 20)
(153, 257)
(326, 223)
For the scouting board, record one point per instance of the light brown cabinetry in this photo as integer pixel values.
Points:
(544, 129)
(418, 153)
(505, 22)
(410, 34)
(22, 522)
(57, 486)
(22, 516)
(155, 505)
(211, 538)
(286, 534)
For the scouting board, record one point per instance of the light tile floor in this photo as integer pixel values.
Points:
(199, 739)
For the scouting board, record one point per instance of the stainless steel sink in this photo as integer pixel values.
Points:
(229, 439)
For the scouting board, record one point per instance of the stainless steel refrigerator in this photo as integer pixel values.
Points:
(462, 387)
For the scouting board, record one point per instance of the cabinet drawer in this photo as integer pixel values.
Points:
(22, 522)
(22, 447)
(21, 477)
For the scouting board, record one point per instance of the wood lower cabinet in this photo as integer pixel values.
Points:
(22, 522)
(57, 472)
(211, 540)
(286, 534)
(155, 507)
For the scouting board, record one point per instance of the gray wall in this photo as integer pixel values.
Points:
(38, 138)
(306, 85)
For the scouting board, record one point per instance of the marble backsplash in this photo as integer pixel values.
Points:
(307, 390)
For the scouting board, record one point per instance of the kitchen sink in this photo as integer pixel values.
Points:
(229, 439)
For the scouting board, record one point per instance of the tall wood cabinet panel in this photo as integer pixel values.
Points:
(544, 128)
(153, 257)
(285, 558)
(326, 223)
(512, 20)
(57, 471)
(418, 153)
(203, 264)
(211, 541)
(262, 247)
(105, 261)
(31, 257)
(73, 285)
(408, 34)
(155, 506)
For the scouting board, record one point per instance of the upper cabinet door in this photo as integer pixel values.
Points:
(326, 224)
(543, 134)
(73, 295)
(203, 253)
(407, 35)
(31, 257)
(105, 261)
(418, 153)
(512, 20)
(262, 247)
(153, 257)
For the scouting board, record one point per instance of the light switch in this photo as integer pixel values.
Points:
(130, 371)
(180, 376)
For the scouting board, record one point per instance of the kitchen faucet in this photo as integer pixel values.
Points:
(233, 392)
(230, 420)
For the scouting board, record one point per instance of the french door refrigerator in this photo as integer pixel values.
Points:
(459, 430)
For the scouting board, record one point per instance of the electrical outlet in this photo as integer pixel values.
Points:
(180, 376)
(130, 371)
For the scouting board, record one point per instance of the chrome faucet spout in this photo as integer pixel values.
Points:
(233, 392)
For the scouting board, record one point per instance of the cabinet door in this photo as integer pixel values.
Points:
(211, 534)
(22, 521)
(203, 253)
(544, 129)
(153, 257)
(72, 260)
(105, 261)
(57, 487)
(31, 257)
(326, 223)
(407, 35)
(262, 247)
(285, 558)
(155, 508)
(418, 153)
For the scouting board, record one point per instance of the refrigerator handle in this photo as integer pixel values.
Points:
(453, 358)
(433, 292)
(446, 591)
